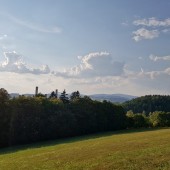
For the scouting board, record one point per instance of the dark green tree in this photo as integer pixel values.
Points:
(137, 120)
(25, 120)
(5, 117)
(52, 95)
(148, 103)
(75, 95)
(40, 95)
(64, 97)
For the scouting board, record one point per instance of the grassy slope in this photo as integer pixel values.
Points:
(141, 149)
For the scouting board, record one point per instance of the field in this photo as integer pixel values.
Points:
(131, 149)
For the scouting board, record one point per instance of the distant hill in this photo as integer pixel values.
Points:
(115, 98)
(14, 95)
(17, 94)
(148, 103)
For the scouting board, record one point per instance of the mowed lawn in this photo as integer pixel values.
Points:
(130, 149)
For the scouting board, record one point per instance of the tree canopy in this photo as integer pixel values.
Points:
(149, 103)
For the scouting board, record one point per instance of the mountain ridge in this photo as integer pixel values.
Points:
(115, 98)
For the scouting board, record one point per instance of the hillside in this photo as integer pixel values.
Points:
(139, 149)
(148, 103)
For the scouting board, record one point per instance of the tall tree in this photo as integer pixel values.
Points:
(75, 95)
(4, 96)
(4, 117)
(64, 97)
(53, 95)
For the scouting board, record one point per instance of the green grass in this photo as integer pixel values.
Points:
(131, 149)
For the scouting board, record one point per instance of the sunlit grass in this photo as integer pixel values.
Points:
(139, 149)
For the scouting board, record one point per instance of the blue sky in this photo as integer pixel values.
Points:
(93, 46)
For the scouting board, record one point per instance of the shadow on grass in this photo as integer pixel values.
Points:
(37, 145)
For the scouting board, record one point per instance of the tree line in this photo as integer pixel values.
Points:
(154, 119)
(32, 119)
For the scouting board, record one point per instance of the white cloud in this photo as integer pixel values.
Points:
(94, 64)
(152, 22)
(154, 74)
(91, 65)
(167, 71)
(143, 33)
(156, 58)
(14, 63)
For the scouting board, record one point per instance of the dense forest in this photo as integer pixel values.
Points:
(149, 103)
(32, 119)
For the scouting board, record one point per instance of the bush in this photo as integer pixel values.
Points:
(160, 119)
(136, 120)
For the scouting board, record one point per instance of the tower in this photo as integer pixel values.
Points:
(56, 93)
(36, 90)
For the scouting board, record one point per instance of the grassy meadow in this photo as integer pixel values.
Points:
(131, 149)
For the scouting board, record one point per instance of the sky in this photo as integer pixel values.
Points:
(94, 46)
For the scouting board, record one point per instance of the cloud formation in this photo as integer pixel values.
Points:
(94, 64)
(13, 63)
(152, 22)
(156, 58)
(162, 26)
(96, 72)
(91, 65)
(143, 33)
(155, 74)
